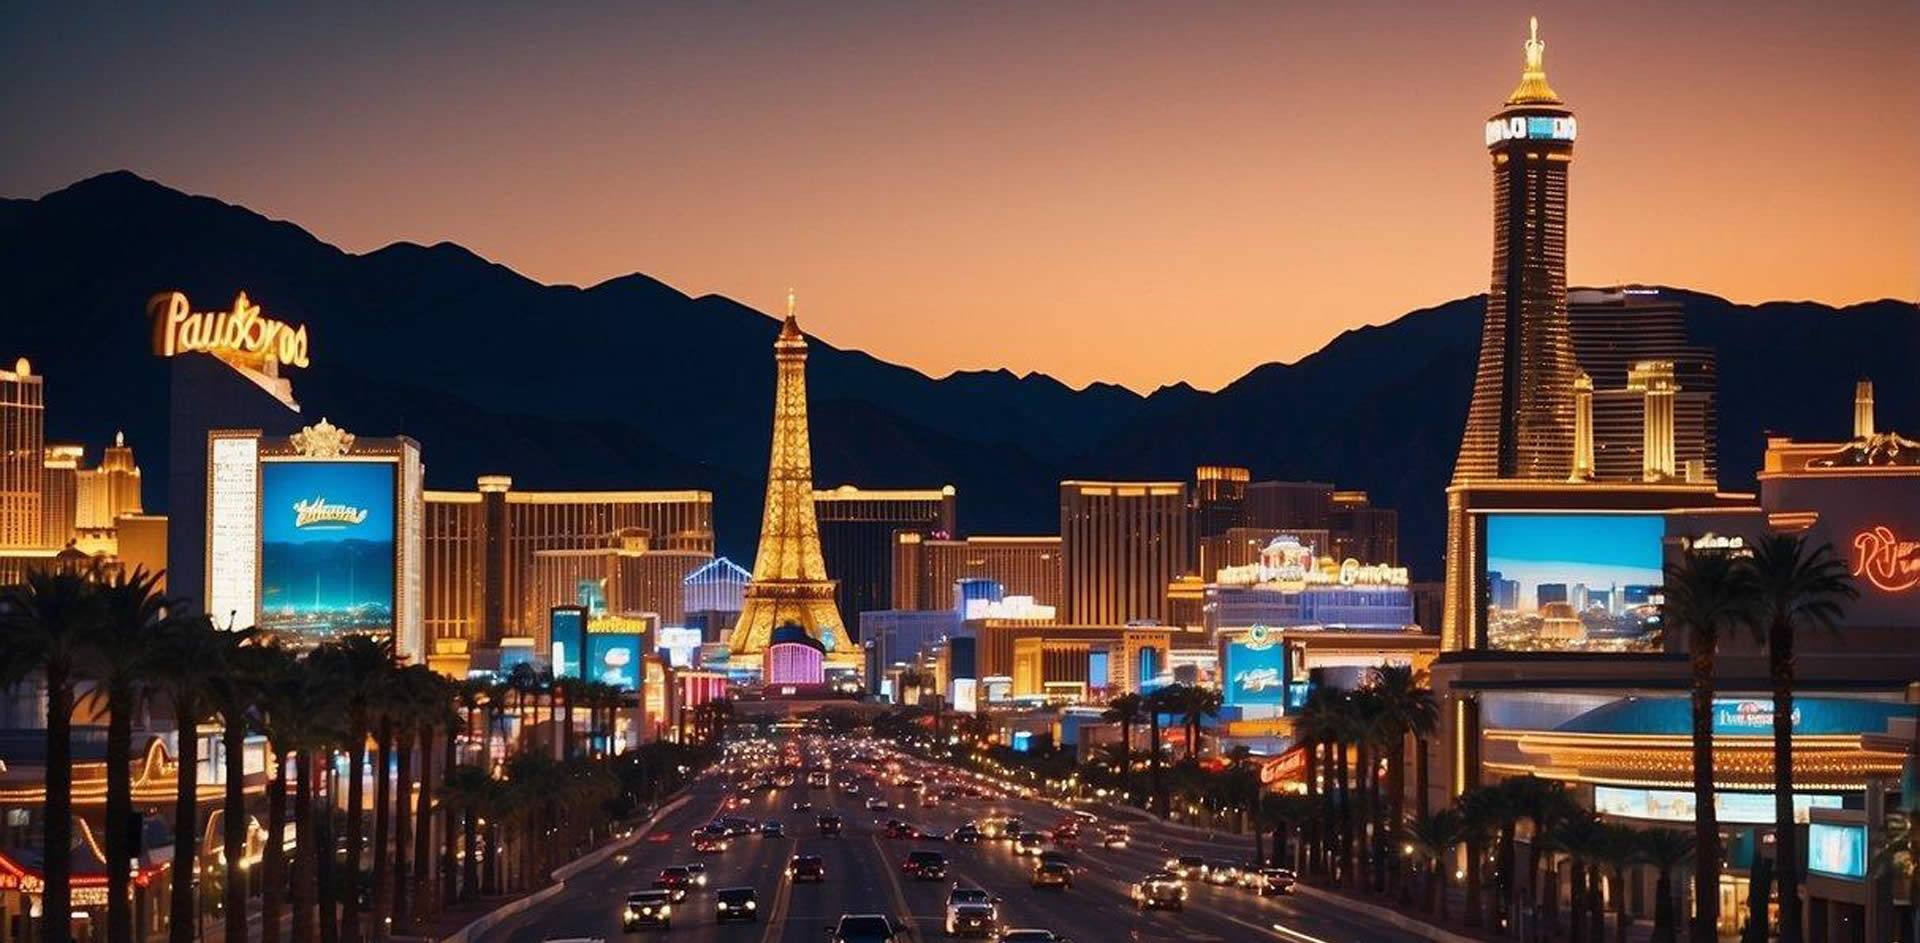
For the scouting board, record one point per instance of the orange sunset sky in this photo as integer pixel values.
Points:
(1142, 193)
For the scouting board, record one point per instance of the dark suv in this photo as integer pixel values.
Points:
(647, 909)
(829, 824)
(735, 903)
(864, 928)
(925, 865)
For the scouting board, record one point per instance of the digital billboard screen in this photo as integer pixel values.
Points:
(1253, 672)
(613, 658)
(326, 549)
(1573, 582)
(1837, 850)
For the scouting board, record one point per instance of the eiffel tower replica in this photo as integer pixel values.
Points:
(790, 583)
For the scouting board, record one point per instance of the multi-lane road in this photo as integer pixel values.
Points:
(863, 876)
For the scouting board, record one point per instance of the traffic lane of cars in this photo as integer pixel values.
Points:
(856, 882)
(592, 903)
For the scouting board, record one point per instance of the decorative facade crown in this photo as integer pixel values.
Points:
(323, 440)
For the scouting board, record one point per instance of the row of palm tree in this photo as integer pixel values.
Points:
(112, 642)
(1189, 705)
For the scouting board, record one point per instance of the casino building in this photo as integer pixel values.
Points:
(1553, 659)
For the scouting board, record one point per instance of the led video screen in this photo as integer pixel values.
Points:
(326, 549)
(1573, 582)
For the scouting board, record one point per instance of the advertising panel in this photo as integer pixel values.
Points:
(1676, 805)
(326, 549)
(613, 658)
(1573, 582)
(1837, 850)
(1253, 669)
(566, 636)
(678, 645)
(233, 530)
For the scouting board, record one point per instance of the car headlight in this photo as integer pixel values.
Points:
(750, 905)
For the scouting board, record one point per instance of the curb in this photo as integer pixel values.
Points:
(1386, 915)
(493, 918)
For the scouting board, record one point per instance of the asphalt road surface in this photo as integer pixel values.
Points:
(863, 876)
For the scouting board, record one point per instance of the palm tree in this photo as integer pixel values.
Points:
(195, 657)
(1434, 836)
(1898, 852)
(1544, 804)
(1288, 815)
(1163, 701)
(119, 660)
(1125, 710)
(1407, 709)
(1799, 586)
(1706, 594)
(1196, 705)
(281, 705)
(1619, 850)
(364, 665)
(438, 699)
(1580, 836)
(231, 697)
(1494, 811)
(46, 623)
(469, 792)
(1313, 729)
(1665, 849)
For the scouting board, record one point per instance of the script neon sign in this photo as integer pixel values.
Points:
(320, 515)
(241, 334)
(1886, 561)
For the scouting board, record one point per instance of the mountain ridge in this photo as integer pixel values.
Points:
(630, 382)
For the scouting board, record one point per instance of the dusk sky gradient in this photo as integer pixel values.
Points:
(1140, 193)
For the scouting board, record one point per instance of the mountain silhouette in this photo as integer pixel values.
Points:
(632, 384)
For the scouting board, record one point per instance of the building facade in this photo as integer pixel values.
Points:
(22, 456)
(1121, 544)
(1614, 331)
(857, 530)
(927, 569)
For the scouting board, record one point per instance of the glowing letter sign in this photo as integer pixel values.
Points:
(317, 514)
(1889, 563)
(240, 335)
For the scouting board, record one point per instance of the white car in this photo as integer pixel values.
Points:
(878, 804)
(972, 912)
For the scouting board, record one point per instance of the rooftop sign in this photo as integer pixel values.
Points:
(240, 336)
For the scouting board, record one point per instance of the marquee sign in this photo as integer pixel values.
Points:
(241, 335)
(1889, 563)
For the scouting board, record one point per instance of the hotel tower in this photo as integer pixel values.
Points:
(1520, 422)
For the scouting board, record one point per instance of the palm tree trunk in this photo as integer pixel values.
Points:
(1786, 844)
(470, 861)
(1440, 890)
(186, 821)
(1362, 834)
(402, 831)
(119, 811)
(1344, 773)
(57, 824)
(449, 891)
(1663, 909)
(1153, 766)
(1550, 898)
(1706, 825)
(323, 855)
(423, 826)
(305, 853)
(233, 820)
(1397, 877)
(1475, 852)
(1577, 901)
(273, 861)
(382, 825)
(1596, 905)
(356, 824)
(1620, 920)
(494, 870)
(566, 724)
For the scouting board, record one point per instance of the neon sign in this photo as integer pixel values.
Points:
(240, 335)
(317, 514)
(1889, 563)
(1532, 128)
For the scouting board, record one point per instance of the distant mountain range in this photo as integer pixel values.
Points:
(631, 384)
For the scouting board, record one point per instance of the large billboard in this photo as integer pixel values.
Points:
(1253, 670)
(1573, 582)
(326, 549)
(613, 658)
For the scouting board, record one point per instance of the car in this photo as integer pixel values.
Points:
(1057, 874)
(865, 928)
(829, 824)
(1276, 882)
(737, 826)
(1222, 873)
(1249, 876)
(772, 829)
(898, 829)
(1011, 829)
(851, 789)
(967, 834)
(1085, 816)
(676, 881)
(1159, 890)
(802, 805)
(877, 804)
(1029, 843)
(735, 903)
(620, 857)
(699, 873)
(925, 865)
(1116, 837)
(661, 837)
(972, 911)
(1055, 855)
(647, 909)
(1031, 935)
(710, 842)
(807, 868)
(1187, 866)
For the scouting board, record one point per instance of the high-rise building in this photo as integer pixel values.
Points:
(480, 547)
(22, 462)
(790, 583)
(1287, 505)
(1614, 329)
(1360, 531)
(1219, 499)
(60, 494)
(857, 528)
(925, 569)
(1121, 544)
(111, 490)
(1520, 419)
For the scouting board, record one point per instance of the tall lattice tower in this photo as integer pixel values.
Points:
(1520, 421)
(790, 581)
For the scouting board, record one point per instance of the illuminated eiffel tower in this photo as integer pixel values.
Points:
(790, 583)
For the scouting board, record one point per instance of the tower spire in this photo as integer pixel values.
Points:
(1533, 88)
